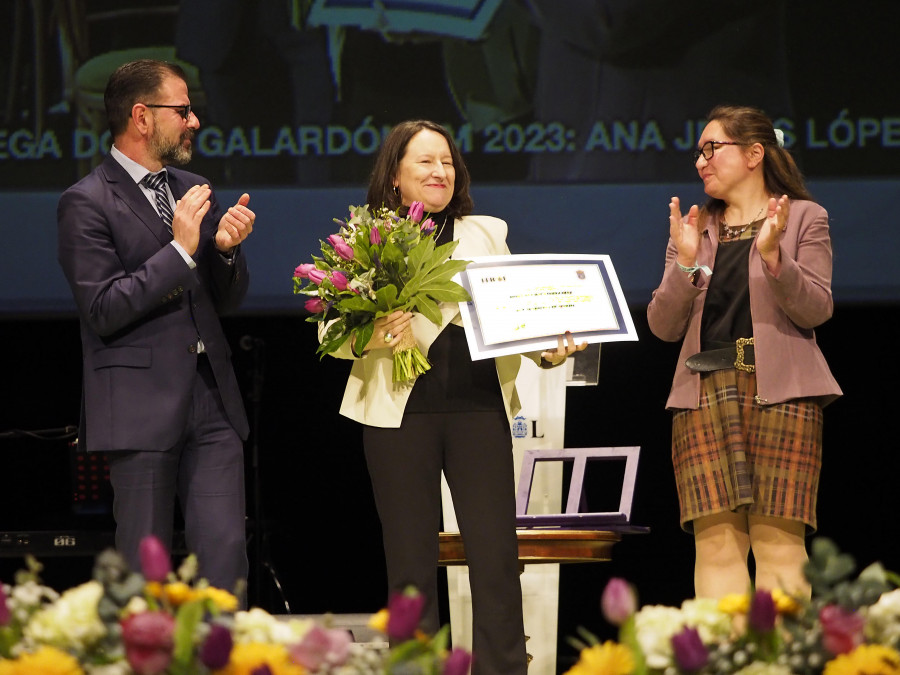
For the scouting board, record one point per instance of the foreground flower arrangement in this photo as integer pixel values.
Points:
(851, 626)
(378, 262)
(160, 622)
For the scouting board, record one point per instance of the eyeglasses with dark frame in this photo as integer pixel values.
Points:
(708, 149)
(183, 110)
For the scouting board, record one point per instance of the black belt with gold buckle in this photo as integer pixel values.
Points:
(722, 355)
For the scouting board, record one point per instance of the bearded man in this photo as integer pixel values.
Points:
(153, 262)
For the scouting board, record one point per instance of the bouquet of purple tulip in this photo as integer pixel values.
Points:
(379, 262)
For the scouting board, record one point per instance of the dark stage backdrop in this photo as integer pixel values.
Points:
(576, 120)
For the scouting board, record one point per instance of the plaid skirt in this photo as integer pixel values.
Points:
(732, 454)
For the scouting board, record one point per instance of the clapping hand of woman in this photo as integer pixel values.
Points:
(768, 243)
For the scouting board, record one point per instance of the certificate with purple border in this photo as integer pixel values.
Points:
(522, 303)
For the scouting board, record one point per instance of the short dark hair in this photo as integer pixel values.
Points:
(387, 162)
(134, 82)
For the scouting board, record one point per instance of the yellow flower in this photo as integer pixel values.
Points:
(178, 593)
(245, 658)
(224, 600)
(868, 659)
(784, 603)
(735, 603)
(379, 621)
(46, 661)
(609, 658)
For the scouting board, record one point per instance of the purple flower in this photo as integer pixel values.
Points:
(762, 612)
(216, 648)
(690, 652)
(428, 226)
(339, 280)
(416, 211)
(341, 247)
(314, 305)
(155, 562)
(302, 271)
(618, 601)
(374, 236)
(4, 608)
(842, 630)
(148, 641)
(322, 646)
(404, 612)
(457, 662)
(317, 276)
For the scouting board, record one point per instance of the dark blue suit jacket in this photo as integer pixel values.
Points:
(142, 309)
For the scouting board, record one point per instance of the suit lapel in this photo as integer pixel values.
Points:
(128, 192)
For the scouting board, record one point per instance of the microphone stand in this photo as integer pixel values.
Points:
(260, 550)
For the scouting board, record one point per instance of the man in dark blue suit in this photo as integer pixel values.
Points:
(150, 280)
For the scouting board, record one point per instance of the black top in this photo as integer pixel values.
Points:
(726, 312)
(455, 382)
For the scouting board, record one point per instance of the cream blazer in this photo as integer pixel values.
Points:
(371, 397)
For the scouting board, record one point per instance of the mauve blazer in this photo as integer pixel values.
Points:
(371, 397)
(142, 308)
(785, 310)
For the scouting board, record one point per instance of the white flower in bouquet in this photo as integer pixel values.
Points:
(762, 668)
(655, 625)
(883, 619)
(70, 623)
(257, 625)
(704, 615)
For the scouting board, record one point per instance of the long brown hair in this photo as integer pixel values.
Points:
(381, 183)
(746, 125)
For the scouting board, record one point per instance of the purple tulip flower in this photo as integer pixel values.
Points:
(428, 226)
(216, 648)
(155, 561)
(4, 608)
(690, 652)
(302, 271)
(374, 236)
(762, 612)
(317, 276)
(842, 630)
(339, 280)
(322, 646)
(404, 612)
(457, 662)
(314, 305)
(148, 639)
(416, 211)
(618, 601)
(341, 247)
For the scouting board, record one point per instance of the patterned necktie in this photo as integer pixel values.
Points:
(157, 183)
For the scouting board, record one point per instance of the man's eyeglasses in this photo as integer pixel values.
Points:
(708, 149)
(183, 110)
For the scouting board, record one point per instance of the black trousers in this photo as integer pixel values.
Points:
(474, 449)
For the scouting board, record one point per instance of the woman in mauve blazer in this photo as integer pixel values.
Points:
(751, 382)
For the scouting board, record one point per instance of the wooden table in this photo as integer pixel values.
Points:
(542, 546)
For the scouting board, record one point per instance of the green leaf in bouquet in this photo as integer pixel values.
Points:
(392, 254)
(427, 308)
(445, 291)
(363, 335)
(329, 346)
(420, 255)
(357, 303)
(361, 253)
(386, 299)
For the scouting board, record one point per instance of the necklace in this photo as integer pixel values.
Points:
(729, 232)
